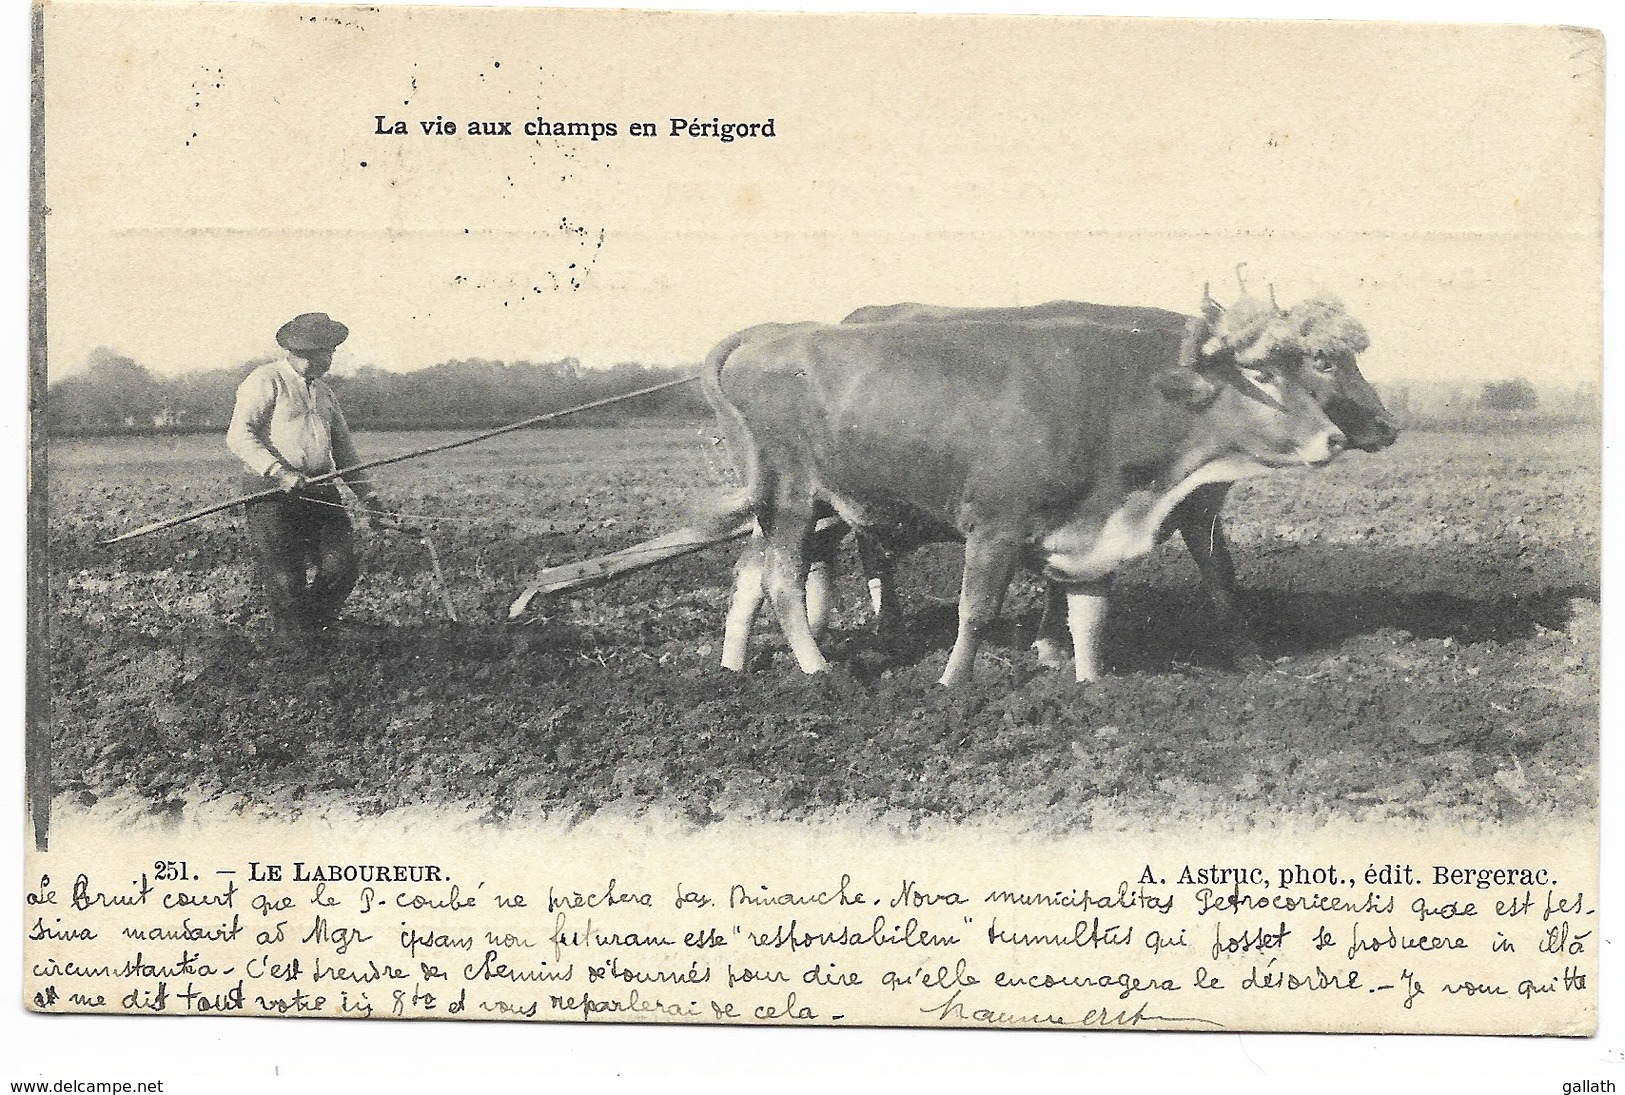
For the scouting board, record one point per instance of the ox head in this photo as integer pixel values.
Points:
(1254, 383)
(1321, 341)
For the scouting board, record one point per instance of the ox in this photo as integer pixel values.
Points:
(1333, 341)
(1060, 443)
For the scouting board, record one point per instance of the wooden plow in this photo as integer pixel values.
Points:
(603, 568)
(589, 572)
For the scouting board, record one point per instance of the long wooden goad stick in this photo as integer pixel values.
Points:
(272, 492)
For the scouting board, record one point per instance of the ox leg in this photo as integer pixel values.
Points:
(818, 597)
(750, 575)
(989, 566)
(1086, 617)
(1052, 626)
(1203, 533)
(821, 554)
(877, 568)
(787, 586)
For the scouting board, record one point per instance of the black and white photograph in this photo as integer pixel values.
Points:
(796, 519)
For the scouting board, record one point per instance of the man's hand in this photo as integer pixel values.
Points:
(289, 480)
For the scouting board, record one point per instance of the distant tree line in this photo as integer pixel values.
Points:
(115, 394)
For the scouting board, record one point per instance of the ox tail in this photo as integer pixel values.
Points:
(728, 514)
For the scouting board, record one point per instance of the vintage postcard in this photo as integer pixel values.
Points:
(815, 520)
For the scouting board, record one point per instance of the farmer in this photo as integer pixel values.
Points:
(287, 427)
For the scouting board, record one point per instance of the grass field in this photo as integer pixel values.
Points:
(1431, 613)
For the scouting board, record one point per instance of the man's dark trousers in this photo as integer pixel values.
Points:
(291, 533)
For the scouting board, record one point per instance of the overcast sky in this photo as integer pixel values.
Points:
(214, 171)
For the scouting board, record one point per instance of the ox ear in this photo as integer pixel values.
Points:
(1186, 387)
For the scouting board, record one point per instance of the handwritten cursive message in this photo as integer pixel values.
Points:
(689, 933)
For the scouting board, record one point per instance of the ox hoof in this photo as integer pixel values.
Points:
(1088, 670)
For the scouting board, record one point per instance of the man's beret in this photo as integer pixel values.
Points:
(311, 331)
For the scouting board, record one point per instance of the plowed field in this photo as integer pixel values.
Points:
(1430, 615)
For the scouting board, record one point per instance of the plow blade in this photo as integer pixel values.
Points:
(588, 572)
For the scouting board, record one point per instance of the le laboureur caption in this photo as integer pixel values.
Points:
(1399, 946)
(439, 126)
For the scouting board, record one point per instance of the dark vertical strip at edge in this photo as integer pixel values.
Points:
(38, 737)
